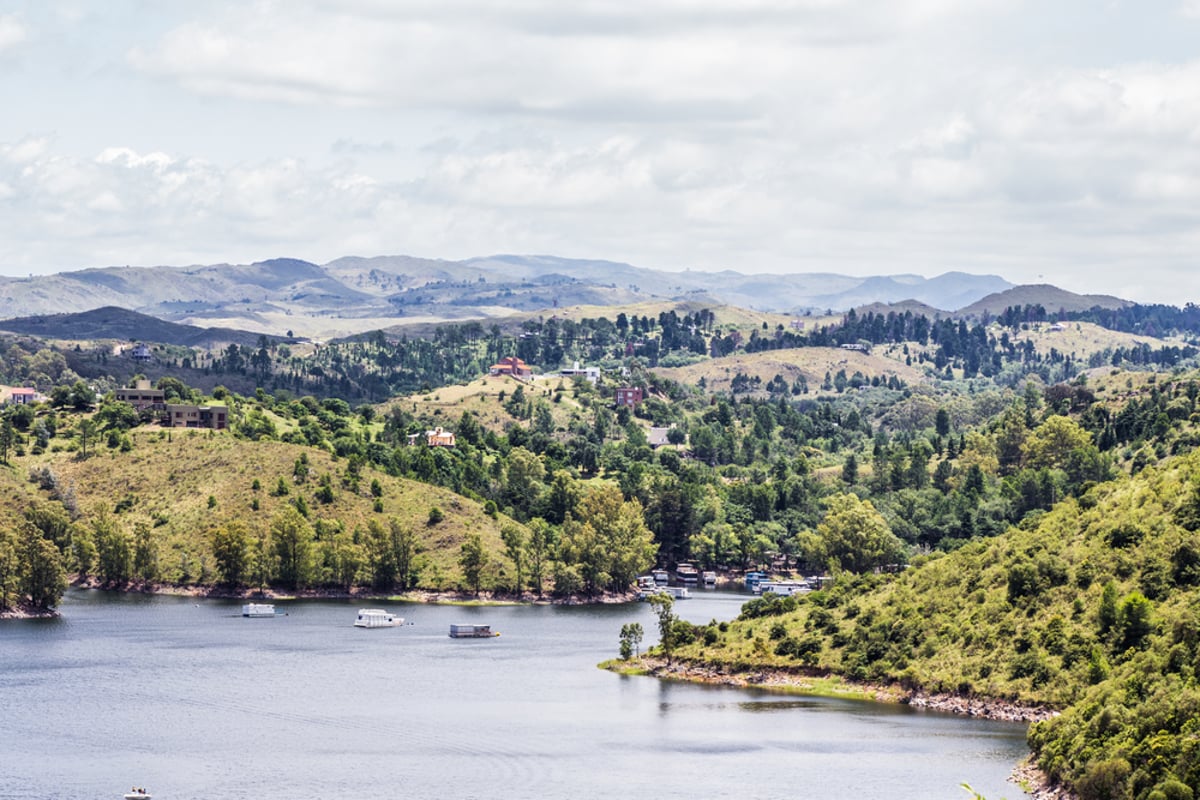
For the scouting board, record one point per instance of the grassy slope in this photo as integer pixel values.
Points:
(811, 362)
(952, 624)
(171, 480)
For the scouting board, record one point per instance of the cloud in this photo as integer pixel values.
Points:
(12, 32)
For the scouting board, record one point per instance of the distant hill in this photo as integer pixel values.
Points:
(118, 323)
(914, 307)
(364, 294)
(1049, 297)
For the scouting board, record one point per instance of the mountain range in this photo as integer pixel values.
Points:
(366, 293)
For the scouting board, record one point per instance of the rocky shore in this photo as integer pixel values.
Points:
(1027, 775)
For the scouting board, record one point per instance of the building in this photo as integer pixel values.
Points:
(511, 366)
(438, 437)
(629, 396)
(141, 353)
(591, 374)
(858, 347)
(184, 415)
(23, 396)
(658, 437)
(142, 396)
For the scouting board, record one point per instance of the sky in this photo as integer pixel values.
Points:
(1045, 142)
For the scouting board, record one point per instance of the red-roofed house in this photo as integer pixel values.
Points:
(511, 366)
(22, 396)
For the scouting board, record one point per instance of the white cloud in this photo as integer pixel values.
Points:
(12, 32)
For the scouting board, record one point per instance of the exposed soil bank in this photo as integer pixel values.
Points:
(1026, 774)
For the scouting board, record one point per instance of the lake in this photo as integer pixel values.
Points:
(192, 701)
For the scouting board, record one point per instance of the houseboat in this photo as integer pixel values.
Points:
(678, 592)
(687, 574)
(258, 610)
(661, 576)
(137, 793)
(753, 579)
(471, 632)
(709, 578)
(377, 618)
(784, 588)
(646, 582)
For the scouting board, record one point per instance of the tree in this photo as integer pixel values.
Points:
(43, 578)
(473, 559)
(10, 568)
(292, 538)
(663, 606)
(87, 435)
(231, 550)
(631, 638)
(114, 548)
(538, 548)
(857, 536)
(850, 470)
(514, 548)
(7, 437)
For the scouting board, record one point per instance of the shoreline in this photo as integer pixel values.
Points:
(1026, 774)
(430, 596)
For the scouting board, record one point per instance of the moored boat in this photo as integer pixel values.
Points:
(661, 576)
(687, 574)
(377, 618)
(258, 610)
(709, 577)
(137, 794)
(785, 588)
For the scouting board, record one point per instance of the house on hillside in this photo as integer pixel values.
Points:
(858, 347)
(184, 415)
(142, 396)
(438, 437)
(24, 396)
(511, 366)
(657, 437)
(591, 374)
(141, 353)
(629, 396)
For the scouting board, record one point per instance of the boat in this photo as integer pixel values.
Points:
(753, 579)
(785, 588)
(377, 618)
(661, 576)
(258, 610)
(646, 582)
(709, 577)
(472, 632)
(137, 794)
(677, 592)
(687, 574)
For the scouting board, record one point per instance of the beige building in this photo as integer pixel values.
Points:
(182, 415)
(142, 396)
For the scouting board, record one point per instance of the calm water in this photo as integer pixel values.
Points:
(193, 701)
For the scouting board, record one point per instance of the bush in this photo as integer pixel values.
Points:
(436, 515)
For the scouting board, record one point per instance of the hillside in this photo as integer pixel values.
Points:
(110, 322)
(1048, 297)
(165, 481)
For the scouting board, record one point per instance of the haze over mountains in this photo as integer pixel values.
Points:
(375, 292)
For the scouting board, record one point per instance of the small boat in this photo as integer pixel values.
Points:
(137, 794)
(472, 632)
(377, 618)
(709, 577)
(753, 579)
(646, 582)
(258, 610)
(661, 576)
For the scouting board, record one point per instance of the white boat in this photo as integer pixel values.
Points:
(710, 578)
(661, 576)
(377, 618)
(137, 794)
(785, 588)
(258, 610)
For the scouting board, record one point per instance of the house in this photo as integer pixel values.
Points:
(858, 347)
(657, 437)
(23, 396)
(591, 374)
(184, 415)
(142, 396)
(797, 324)
(511, 366)
(141, 353)
(438, 437)
(1057, 326)
(629, 396)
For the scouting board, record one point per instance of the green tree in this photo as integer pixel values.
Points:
(43, 578)
(473, 558)
(292, 539)
(514, 548)
(663, 606)
(114, 548)
(540, 545)
(631, 638)
(231, 551)
(856, 536)
(10, 568)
